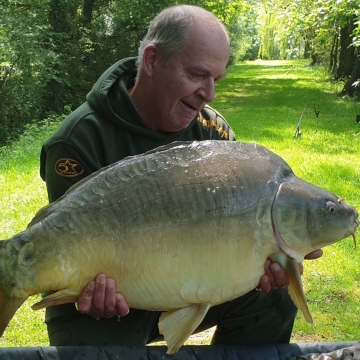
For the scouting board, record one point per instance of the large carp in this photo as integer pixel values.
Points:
(180, 229)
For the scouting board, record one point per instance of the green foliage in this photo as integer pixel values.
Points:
(240, 19)
(22, 193)
(325, 31)
(52, 51)
(303, 25)
(22, 64)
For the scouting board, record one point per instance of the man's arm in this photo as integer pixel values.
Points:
(62, 166)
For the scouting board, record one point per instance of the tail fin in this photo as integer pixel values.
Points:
(8, 307)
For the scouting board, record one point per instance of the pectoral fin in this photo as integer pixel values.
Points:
(295, 288)
(60, 297)
(178, 325)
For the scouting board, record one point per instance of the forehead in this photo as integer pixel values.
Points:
(207, 49)
(203, 34)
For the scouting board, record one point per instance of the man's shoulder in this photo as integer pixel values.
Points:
(74, 150)
(80, 121)
(215, 124)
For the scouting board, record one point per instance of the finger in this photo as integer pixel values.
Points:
(122, 307)
(281, 279)
(301, 268)
(84, 300)
(99, 294)
(264, 284)
(109, 300)
(314, 254)
(269, 280)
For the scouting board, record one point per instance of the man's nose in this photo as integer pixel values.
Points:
(207, 90)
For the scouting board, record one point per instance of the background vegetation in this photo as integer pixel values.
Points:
(263, 101)
(52, 51)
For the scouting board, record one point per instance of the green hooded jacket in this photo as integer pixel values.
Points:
(107, 128)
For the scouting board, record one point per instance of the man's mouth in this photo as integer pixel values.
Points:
(189, 106)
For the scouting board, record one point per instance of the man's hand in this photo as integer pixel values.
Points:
(100, 299)
(275, 276)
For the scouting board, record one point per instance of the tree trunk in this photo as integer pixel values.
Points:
(350, 87)
(347, 54)
(334, 53)
(307, 49)
(87, 13)
(64, 41)
(314, 59)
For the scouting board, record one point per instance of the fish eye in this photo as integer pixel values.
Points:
(330, 207)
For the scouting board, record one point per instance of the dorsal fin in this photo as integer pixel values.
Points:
(46, 210)
(42, 213)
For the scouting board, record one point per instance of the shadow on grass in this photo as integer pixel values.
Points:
(277, 95)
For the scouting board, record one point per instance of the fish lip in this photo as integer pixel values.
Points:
(353, 231)
(353, 227)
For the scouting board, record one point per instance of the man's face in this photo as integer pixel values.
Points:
(187, 83)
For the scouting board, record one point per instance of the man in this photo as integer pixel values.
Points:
(132, 109)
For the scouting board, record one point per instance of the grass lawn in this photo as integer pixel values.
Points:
(263, 101)
(22, 193)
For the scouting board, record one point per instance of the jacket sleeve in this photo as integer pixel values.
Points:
(214, 125)
(61, 166)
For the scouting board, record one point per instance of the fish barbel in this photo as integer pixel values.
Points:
(180, 229)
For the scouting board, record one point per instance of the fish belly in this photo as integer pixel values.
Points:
(178, 265)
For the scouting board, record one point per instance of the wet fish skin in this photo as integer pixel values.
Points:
(186, 226)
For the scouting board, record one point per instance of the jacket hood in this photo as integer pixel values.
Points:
(110, 98)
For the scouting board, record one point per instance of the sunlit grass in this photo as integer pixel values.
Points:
(22, 193)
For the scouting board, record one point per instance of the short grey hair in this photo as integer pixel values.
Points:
(169, 29)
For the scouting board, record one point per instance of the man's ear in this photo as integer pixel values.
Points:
(151, 55)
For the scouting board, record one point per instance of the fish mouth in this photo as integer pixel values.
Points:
(352, 231)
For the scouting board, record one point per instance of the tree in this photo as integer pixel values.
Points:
(22, 63)
(239, 17)
(52, 51)
(322, 30)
